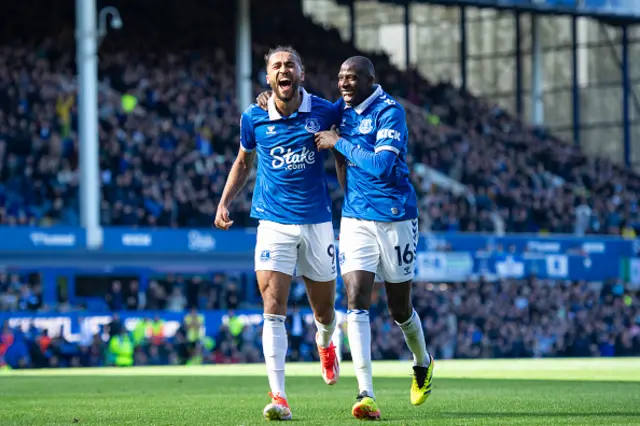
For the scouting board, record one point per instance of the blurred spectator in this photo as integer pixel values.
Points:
(176, 301)
(121, 349)
(473, 319)
(114, 298)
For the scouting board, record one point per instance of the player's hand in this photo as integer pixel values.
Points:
(222, 218)
(263, 99)
(326, 139)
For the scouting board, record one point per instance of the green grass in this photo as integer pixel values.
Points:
(495, 392)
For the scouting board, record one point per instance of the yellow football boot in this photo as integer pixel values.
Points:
(421, 383)
(365, 408)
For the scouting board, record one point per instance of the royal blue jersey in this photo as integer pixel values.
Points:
(291, 184)
(378, 124)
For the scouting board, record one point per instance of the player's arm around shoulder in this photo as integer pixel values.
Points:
(240, 171)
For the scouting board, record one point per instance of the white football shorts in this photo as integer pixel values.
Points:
(307, 250)
(388, 249)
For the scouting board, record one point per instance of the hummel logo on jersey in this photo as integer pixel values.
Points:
(271, 130)
(388, 134)
(292, 160)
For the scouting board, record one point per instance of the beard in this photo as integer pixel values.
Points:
(288, 93)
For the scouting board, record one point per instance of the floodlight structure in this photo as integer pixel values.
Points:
(88, 38)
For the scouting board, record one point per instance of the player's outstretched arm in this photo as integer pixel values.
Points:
(237, 179)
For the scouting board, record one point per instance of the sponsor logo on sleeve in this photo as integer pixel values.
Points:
(388, 134)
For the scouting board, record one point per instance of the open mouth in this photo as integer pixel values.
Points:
(285, 83)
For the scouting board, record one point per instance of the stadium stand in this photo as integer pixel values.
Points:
(164, 163)
(502, 319)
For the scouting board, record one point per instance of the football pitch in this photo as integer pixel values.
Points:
(475, 392)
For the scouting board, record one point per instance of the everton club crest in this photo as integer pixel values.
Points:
(366, 126)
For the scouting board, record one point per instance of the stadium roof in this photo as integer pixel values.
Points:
(615, 12)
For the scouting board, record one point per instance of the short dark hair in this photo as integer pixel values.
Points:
(362, 64)
(287, 49)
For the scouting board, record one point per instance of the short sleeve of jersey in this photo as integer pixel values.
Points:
(247, 136)
(391, 134)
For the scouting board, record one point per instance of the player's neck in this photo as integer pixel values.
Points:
(286, 108)
(366, 96)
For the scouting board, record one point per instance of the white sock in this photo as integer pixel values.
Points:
(325, 332)
(274, 347)
(414, 336)
(359, 331)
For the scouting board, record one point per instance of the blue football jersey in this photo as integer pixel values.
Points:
(377, 124)
(291, 184)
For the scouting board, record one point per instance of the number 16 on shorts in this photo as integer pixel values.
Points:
(387, 249)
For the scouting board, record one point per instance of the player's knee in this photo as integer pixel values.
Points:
(274, 290)
(273, 302)
(359, 285)
(273, 306)
(324, 310)
(400, 312)
(358, 300)
(324, 314)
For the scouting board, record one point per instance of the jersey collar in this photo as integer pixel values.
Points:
(359, 109)
(305, 105)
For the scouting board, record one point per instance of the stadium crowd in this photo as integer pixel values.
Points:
(169, 127)
(169, 292)
(473, 319)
